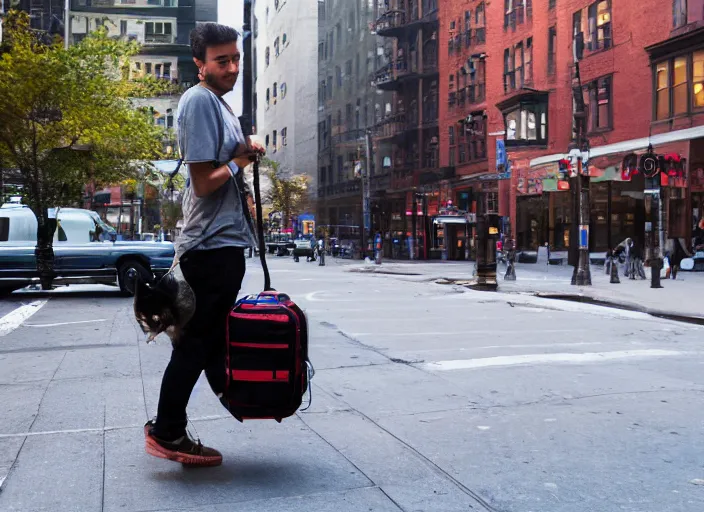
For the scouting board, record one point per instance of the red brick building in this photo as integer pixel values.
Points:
(505, 81)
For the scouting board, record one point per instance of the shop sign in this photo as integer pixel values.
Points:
(503, 164)
(533, 181)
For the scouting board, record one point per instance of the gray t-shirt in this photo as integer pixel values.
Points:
(208, 132)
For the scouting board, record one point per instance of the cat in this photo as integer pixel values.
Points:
(166, 306)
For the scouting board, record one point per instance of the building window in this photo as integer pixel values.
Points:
(453, 143)
(321, 52)
(518, 65)
(527, 123)
(467, 28)
(698, 79)
(594, 23)
(552, 46)
(283, 136)
(267, 97)
(266, 56)
(158, 32)
(475, 134)
(276, 47)
(662, 99)
(273, 140)
(480, 30)
(509, 75)
(528, 61)
(551, 4)
(679, 86)
(600, 24)
(679, 13)
(479, 80)
(509, 15)
(283, 90)
(600, 104)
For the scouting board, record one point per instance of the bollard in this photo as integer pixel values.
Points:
(655, 267)
(614, 271)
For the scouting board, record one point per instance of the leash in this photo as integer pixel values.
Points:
(260, 226)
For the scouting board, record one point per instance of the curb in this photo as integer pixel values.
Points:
(586, 299)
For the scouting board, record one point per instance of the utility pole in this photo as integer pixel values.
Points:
(67, 22)
(579, 154)
(366, 193)
(653, 203)
(246, 119)
(414, 227)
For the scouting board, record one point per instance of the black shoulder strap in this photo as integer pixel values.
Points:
(260, 227)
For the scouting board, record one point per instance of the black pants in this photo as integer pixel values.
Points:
(216, 277)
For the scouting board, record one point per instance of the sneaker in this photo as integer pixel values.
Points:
(184, 449)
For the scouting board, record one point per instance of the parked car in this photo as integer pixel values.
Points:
(85, 251)
(304, 247)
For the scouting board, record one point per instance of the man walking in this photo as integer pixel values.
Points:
(217, 229)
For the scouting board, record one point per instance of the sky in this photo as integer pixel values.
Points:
(230, 12)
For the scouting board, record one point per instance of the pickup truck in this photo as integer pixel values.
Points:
(85, 251)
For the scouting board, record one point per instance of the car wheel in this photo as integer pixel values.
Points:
(127, 275)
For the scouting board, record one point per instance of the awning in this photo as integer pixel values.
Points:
(450, 220)
(629, 146)
(455, 219)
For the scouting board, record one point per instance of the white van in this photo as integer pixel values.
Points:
(75, 225)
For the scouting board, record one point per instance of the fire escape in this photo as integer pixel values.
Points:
(411, 73)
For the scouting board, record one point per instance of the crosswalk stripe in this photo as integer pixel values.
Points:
(527, 359)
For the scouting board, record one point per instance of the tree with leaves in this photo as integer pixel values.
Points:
(286, 194)
(169, 191)
(66, 120)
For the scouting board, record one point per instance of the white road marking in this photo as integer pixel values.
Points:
(467, 331)
(17, 317)
(100, 429)
(67, 323)
(593, 357)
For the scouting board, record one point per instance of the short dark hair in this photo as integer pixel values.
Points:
(210, 34)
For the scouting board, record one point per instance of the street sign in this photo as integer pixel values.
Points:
(584, 236)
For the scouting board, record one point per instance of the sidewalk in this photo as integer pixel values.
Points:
(680, 298)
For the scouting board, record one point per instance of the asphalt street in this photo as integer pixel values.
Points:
(426, 398)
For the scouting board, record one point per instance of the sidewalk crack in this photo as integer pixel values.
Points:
(39, 407)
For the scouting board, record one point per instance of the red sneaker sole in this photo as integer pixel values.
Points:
(153, 448)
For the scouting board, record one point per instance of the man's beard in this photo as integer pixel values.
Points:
(214, 83)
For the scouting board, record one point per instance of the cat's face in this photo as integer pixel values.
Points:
(153, 311)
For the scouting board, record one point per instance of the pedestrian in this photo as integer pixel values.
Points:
(321, 251)
(217, 229)
(678, 253)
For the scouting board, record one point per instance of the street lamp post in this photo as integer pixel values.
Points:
(579, 154)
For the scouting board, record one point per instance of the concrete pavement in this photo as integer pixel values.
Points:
(426, 398)
(681, 297)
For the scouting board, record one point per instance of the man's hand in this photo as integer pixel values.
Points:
(247, 153)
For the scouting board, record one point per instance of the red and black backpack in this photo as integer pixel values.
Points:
(268, 368)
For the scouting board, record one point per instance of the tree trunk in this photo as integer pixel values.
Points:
(44, 251)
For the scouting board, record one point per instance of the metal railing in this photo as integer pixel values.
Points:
(159, 38)
(391, 125)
